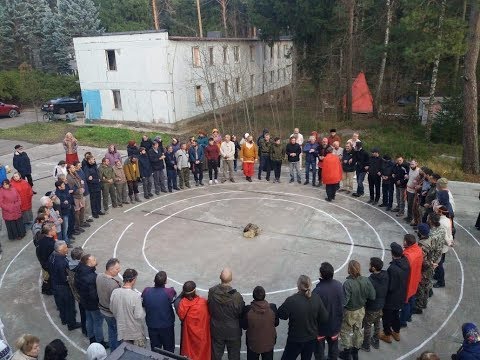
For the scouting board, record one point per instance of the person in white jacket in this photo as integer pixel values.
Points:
(447, 224)
(60, 169)
(227, 154)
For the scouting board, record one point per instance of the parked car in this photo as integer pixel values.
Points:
(63, 105)
(9, 110)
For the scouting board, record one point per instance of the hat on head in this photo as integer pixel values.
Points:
(61, 162)
(358, 144)
(423, 229)
(333, 130)
(375, 150)
(18, 147)
(397, 249)
(442, 182)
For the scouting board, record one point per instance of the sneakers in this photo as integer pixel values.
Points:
(306, 182)
(215, 181)
(210, 182)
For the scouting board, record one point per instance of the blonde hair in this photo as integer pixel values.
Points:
(304, 285)
(25, 343)
(354, 268)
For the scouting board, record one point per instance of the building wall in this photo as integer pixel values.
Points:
(157, 77)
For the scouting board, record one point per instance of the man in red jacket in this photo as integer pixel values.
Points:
(331, 173)
(414, 255)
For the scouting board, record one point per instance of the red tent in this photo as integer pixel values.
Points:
(362, 100)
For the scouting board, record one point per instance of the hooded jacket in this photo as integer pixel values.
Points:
(260, 319)
(414, 255)
(380, 284)
(86, 285)
(92, 170)
(331, 293)
(21, 162)
(398, 272)
(145, 167)
(470, 349)
(226, 306)
(25, 191)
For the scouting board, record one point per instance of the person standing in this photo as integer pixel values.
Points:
(398, 273)
(26, 193)
(57, 266)
(112, 155)
(414, 255)
(171, 165)
(337, 150)
(10, 203)
(260, 319)
(65, 206)
(75, 183)
(106, 283)
(412, 177)
(145, 173)
(387, 182)
(226, 307)
(277, 154)
(212, 153)
(146, 142)
(400, 177)
(120, 184)
(195, 155)
(249, 156)
(94, 186)
(357, 289)
(86, 285)
(21, 162)
(333, 137)
(323, 149)
(183, 166)
(374, 176)
(160, 318)
(447, 224)
(331, 293)
(311, 152)
(227, 153)
(60, 169)
(373, 308)
(362, 163)
(331, 173)
(70, 144)
(44, 248)
(305, 312)
(157, 156)
(237, 150)
(348, 168)
(264, 146)
(192, 310)
(132, 148)
(132, 174)
(293, 151)
(86, 191)
(126, 307)
(107, 174)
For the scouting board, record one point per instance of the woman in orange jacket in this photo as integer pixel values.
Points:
(331, 174)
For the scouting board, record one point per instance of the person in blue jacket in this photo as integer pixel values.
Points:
(470, 349)
(311, 153)
(195, 156)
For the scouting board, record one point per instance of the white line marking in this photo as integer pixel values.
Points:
(469, 233)
(119, 239)
(11, 262)
(91, 235)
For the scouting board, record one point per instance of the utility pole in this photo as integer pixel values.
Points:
(199, 14)
(155, 15)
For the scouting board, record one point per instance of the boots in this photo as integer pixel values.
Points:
(385, 337)
(345, 354)
(375, 342)
(354, 352)
(137, 198)
(366, 345)
(396, 335)
(131, 198)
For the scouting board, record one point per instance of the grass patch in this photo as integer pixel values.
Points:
(54, 132)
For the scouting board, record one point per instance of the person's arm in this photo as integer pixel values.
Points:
(244, 317)
(283, 311)
(347, 292)
(275, 311)
(138, 311)
(322, 315)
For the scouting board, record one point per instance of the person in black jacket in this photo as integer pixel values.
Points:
(260, 319)
(293, 151)
(66, 202)
(156, 156)
(400, 178)
(305, 312)
(145, 173)
(398, 272)
(348, 167)
(94, 185)
(387, 182)
(373, 308)
(44, 248)
(374, 176)
(146, 143)
(171, 165)
(331, 293)
(362, 162)
(21, 162)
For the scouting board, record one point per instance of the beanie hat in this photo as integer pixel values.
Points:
(397, 250)
(423, 229)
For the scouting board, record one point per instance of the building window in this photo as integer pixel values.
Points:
(210, 56)
(196, 56)
(198, 95)
(272, 75)
(285, 50)
(111, 60)
(237, 85)
(226, 88)
(117, 100)
(278, 75)
(213, 92)
(236, 54)
(284, 74)
(252, 81)
(271, 52)
(225, 55)
(252, 53)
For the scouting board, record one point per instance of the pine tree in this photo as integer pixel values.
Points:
(79, 17)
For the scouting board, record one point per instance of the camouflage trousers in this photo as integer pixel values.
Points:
(351, 334)
(424, 288)
(371, 318)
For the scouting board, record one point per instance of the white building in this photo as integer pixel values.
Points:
(153, 78)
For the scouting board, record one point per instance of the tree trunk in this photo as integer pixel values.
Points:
(381, 74)
(351, 16)
(470, 94)
(433, 84)
(456, 65)
(155, 15)
(223, 5)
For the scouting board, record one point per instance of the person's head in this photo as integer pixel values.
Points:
(96, 351)
(42, 210)
(413, 164)
(442, 183)
(131, 143)
(188, 289)
(76, 253)
(312, 139)
(409, 240)
(399, 160)
(87, 154)
(56, 350)
(226, 276)
(112, 267)
(144, 137)
(46, 201)
(61, 247)
(194, 143)
(376, 265)
(234, 137)
(40, 219)
(227, 137)
(296, 131)
(91, 160)
(60, 185)
(111, 148)
(210, 141)
(16, 176)
(397, 250)
(169, 148)
(434, 178)
(155, 145)
(433, 220)
(68, 135)
(304, 285)
(6, 184)
(77, 164)
(89, 260)
(333, 132)
(358, 145)
(29, 345)
(160, 279)
(183, 146)
(325, 142)
(428, 355)
(71, 169)
(375, 152)
(174, 141)
(326, 271)
(250, 139)
(118, 163)
(62, 163)
(267, 137)
(293, 140)
(354, 269)
(49, 229)
(423, 231)
(130, 277)
(470, 333)
(336, 145)
(276, 140)
(142, 150)
(106, 161)
(215, 132)
(19, 148)
(348, 146)
(259, 293)
(355, 136)
(133, 159)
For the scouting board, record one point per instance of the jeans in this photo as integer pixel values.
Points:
(147, 185)
(332, 348)
(212, 169)
(171, 179)
(94, 325)
(387, 194)
(406, 313)
(294, 168)
(65, 228)
(159, 181)
(162, 338)
(233, 348)
(65, 303)
(310, 166)
(197, 170)
(400, 194)
(254, 356)
(95, 202)
(71, 221)
(374, 186)
(360, 177)
(264, 166)
(112, 332)
(391, 321)
(293, 349)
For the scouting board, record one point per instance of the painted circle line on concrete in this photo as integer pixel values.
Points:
(245, 198)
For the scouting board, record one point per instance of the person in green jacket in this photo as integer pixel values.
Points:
(107, 177)
(357, 289)
(277, 154)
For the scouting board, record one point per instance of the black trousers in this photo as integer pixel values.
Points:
(66, 303)
(319, 176)
(212, 169)
(264, 166)
(391, 321)
(332, 348)
(387, 196)
(197, 170)
(374, 182)
(96, 202)
(162, 338)
(132, 187)
(331, 190)
(277, 168)
(27, 177)
(264, 356)
(440, 271)
(304, 349)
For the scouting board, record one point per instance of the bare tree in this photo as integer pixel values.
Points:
(470, 94)
(223, 5)
(156, 23)
(349, 62)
